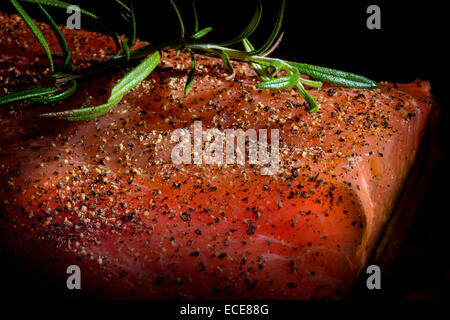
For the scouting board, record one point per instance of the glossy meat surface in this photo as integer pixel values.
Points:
(105, 194)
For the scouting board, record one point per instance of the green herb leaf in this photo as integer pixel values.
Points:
(97, 19)
(27, 94)
(201, 33)
(61, 39)
(194, 10)
(57, 97)
(311, 83)
(226, 62)
(127, 83)
(34, 28)
(279, 83)
(137, 75)
(123, 5)
(180, 19)
(313, 106)
(251, 27)
(274, 34)
(94, 112)
(345, 79)
(191, 75)
(276, 66)
(260, 70)
(126, 49)
(132, 33)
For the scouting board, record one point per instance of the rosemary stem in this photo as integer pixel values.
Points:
(149, 49)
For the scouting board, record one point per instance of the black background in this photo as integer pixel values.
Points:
(409, 46)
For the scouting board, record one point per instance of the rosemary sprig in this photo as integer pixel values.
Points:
(149, 56)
